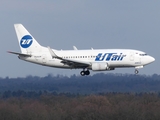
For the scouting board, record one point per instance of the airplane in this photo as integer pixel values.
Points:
(91, 59)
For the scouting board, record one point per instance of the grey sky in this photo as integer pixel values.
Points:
(84, 23)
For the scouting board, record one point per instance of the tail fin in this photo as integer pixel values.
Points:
(27, 43)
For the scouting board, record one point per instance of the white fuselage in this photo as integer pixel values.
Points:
(115, 58)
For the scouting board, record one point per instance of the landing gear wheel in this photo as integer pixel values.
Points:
(136, 71)
(82, 73)
(87, 72)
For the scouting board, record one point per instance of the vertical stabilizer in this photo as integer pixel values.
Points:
(26, 41)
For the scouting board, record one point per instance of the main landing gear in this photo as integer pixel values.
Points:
(83, 73)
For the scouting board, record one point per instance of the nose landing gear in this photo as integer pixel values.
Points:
(136, 71)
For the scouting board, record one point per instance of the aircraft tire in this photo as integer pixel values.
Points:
(136, 71)
(82, 73)
(87, 72)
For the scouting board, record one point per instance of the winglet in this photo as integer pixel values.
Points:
(52, 53)
(75, 48)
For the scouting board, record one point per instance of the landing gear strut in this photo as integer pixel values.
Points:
(136, 71)
(83, 73)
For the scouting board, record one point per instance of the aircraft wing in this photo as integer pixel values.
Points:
(21, 54)
(74, 63)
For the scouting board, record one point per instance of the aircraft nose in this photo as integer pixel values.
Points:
(152, 59)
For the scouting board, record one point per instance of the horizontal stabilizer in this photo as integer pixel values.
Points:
(21, 54)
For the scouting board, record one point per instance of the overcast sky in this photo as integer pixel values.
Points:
(61, 24)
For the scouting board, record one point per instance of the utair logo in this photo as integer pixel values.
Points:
(26, 41)
(110, 57)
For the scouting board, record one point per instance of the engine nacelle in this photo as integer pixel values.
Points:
(99, 66)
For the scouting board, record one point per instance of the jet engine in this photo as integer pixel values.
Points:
(99, 66)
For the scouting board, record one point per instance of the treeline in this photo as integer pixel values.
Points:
(97, 97)
(97, 83)
(33, 94)
(110, 106)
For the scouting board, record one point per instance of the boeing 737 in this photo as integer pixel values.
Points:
(91, 59)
